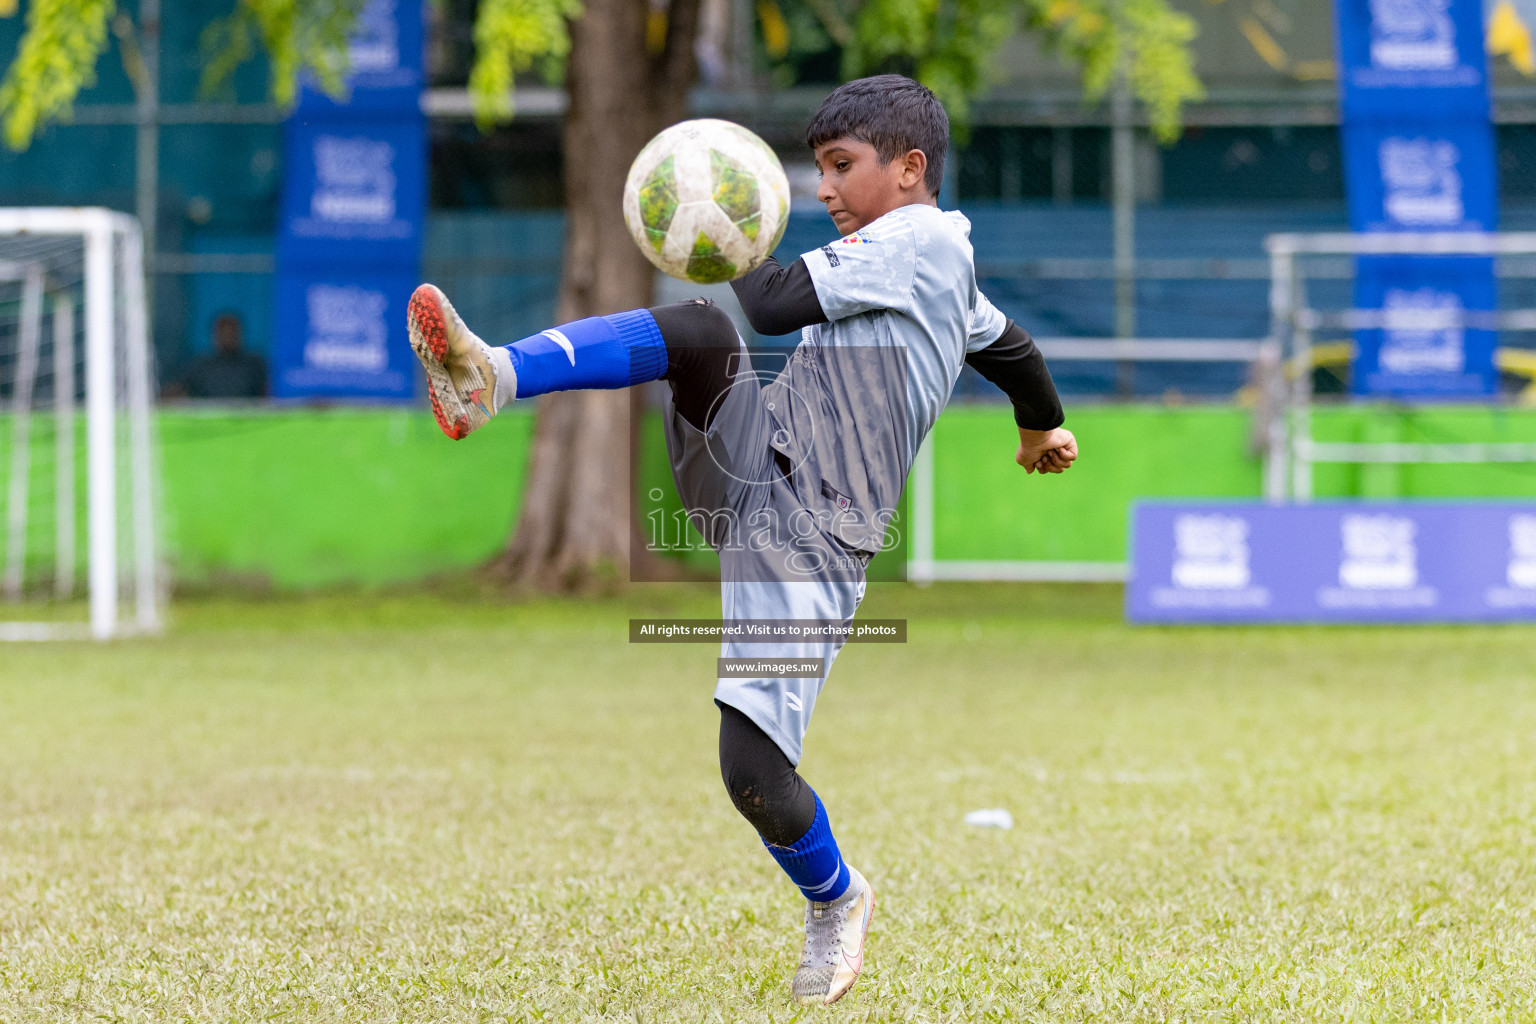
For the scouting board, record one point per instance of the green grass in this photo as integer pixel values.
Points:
(406, 809)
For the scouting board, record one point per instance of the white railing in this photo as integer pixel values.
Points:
(1292, 450)
(923, 566)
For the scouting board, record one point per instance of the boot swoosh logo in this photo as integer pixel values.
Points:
(856, 961)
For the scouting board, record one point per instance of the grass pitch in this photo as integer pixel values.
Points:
(403, 809)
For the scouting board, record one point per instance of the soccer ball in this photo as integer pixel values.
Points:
(706, 201)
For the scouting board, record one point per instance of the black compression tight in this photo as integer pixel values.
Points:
(701, 355)
(763, 785)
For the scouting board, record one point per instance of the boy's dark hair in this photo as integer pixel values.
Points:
(890, 112)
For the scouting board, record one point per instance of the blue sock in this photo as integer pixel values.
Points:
(814, 863)
(600, 352)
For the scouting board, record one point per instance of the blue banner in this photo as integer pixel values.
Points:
(1435, 339)
(1421, 59)
(350, 237)
(1419, 156)
(1421, 176)
(343, 334)
(1401, 562)
(384, 60)
(355, 190)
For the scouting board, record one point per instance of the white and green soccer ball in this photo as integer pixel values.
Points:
(706, 201)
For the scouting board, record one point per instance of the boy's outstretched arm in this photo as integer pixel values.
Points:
(1015, 365)
(778, 299)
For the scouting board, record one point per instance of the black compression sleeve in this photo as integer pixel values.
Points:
(1014, 364)
(701, 346)
(764, 786)
(778, 300)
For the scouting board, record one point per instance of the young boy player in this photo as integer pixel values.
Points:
(793, 482)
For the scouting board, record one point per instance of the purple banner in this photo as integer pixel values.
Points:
(1343, 562)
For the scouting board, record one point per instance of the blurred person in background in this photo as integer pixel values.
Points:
(228, 371)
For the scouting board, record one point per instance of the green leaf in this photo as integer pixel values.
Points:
(298, 36)
(55, 59)
(951, 45)
(1148, 37)
(512, 36)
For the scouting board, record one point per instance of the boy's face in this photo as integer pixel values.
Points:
(857, 188)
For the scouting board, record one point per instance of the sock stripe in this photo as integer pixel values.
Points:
(831, 879)
(814, 862)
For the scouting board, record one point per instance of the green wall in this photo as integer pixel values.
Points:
(315, 497)
(1446, 424)
(300, 498)
(986, 507)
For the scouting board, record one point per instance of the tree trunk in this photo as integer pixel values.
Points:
(574, 529)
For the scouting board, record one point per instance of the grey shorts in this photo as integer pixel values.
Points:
(775, 563)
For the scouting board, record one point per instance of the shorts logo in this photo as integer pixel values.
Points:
(793, 700)
(844, 503)
(831, 256)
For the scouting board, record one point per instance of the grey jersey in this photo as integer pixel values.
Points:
(862, 390)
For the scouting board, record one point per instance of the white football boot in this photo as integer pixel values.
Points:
(467, 379)
(834, 943)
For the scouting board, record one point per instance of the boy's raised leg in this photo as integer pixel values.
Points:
(469, 381)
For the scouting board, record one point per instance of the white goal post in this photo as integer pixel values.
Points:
(1298, 313)
(72, 313)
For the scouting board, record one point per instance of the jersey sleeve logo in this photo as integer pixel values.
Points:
(832, 259)
(857, 238)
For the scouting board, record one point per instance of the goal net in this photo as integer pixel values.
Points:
(77, 473)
